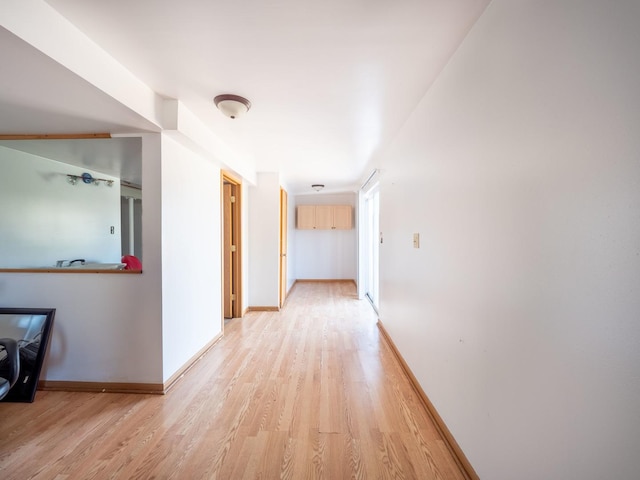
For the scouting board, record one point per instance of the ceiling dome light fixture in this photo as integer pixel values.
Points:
(317, 186)
(232, 106)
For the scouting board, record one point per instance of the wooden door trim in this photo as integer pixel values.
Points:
(237, 227)
(228, 269)
(284, 246)
(56, 136)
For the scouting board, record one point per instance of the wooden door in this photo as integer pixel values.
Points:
(227, 287)
(231, 247)
(283, 246)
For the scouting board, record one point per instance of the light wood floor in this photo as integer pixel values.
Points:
(309, 392)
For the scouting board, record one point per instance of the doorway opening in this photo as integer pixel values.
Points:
(131, 220)
(371, 244)
(231, 247)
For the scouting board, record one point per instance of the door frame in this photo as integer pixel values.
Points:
(236, 226)
(284, 245)
(372, 235)
(369, 240)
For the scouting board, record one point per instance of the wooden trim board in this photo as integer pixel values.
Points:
(116, 387)
(324, 280)
(450, 442)
(263, 309)
(56, 136)
(104, 387)
(173, 379)
(70, 270)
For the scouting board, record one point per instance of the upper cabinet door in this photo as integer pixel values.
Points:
(342, 218)
(306, 217)
(324, 217)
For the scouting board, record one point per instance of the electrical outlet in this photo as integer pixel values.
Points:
(416, 240)
(112, 230)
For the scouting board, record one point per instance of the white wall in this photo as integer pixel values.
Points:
(107, 326)
(191, 254)
(141, 328)
(519, 313)
(361, 265)
(45, 218)
(326, 254)
(264, 243)
(292, 259)
(246, 242)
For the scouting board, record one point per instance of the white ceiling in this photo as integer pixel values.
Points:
(330, 82)
(119, 157)
(38, 95)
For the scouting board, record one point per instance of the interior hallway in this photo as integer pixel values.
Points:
(309, 392)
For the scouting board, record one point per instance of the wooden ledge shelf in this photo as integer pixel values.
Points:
(68, 270)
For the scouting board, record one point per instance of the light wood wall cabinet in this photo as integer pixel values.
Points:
(306, 217)
(325, 217)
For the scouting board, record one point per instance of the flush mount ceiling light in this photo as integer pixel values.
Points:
(232, 106)
(317, 186)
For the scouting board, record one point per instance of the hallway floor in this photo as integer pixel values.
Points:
(309, 392)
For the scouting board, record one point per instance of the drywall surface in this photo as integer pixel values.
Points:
(44, 218)
(519, 312)
(246, 240)
(326, 254)
(41, 26)
(264, 241)
(291, 243)
(108, 327)
(191, 254)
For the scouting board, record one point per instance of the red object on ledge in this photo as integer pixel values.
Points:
(131, 262)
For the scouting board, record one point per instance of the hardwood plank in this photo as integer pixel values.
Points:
(310, 391)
